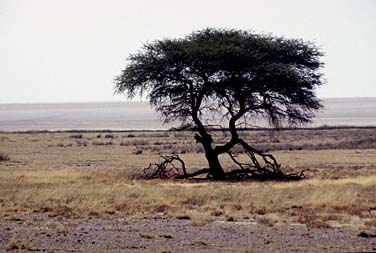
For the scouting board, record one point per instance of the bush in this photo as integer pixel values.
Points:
(76, 136)
(137, 151)
(81, 143)
(199, 149)
(265, 221)
(95, 143)
(4, 157)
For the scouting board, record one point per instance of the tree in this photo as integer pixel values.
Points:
(232, 74)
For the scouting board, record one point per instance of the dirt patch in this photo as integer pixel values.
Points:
(155, 233)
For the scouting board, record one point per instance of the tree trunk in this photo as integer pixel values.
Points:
(215, 169)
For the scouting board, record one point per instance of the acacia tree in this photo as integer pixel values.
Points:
(233, 74)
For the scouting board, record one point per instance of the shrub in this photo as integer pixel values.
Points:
(4, 157)
(137, 152)
(259, 211)
(366, 234)
(183, 217)
(216, 213)
(184, 150)
(237, 207)
(166, 236)
(230, 219)
(199, 149)
(147, 236)
(82, 143)
(76, 136)
(95, 143)
(161, 208)
(265, 221)
(124, 143)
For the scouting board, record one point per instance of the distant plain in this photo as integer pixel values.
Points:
(139, 115)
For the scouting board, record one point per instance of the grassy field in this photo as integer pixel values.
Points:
(87, 175)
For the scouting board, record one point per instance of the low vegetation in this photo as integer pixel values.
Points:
(3, 157)
(51, 173)
(14, 244)
(77, 193)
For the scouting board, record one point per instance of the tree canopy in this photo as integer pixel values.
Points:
(234, 74)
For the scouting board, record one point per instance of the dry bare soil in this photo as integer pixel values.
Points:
(72, 192)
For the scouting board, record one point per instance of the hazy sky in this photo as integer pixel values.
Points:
(70, 50)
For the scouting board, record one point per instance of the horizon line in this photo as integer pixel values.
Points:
(129, 101)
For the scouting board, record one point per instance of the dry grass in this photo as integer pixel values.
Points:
(265, 221)
(12, 245)
(77, 192)
(200, 221)
(53, 173)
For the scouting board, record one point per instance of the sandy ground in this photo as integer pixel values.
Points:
(38, 232)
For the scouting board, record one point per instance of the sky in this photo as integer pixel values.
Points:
(70, 51)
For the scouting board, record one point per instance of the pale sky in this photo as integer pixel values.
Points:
(70, 50)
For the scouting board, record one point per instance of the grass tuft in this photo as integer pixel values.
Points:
(265, 221)
(183, 217)
(12, 245)
(166, 236)
(147, 236)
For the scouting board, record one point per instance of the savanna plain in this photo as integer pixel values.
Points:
(81, 192)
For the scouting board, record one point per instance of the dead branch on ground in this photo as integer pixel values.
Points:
(260, 166)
